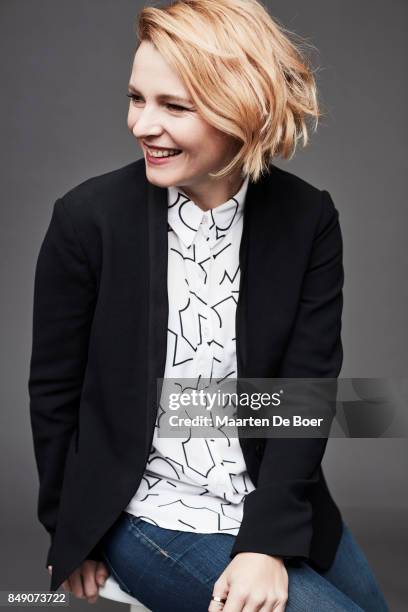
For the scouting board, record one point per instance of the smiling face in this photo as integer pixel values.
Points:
(158, 119)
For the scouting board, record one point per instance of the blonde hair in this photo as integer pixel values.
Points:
(244, 74)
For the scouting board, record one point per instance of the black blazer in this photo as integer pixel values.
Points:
(99, 345)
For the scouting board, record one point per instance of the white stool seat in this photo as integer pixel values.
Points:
(111, 590)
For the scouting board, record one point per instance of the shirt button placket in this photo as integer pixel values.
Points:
(206, 291)
(205, 357)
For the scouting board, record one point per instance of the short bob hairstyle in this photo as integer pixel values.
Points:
(245, 76)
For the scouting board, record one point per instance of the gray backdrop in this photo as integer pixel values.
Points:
(65, 68)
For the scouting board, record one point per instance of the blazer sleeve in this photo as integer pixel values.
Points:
(64, 300)
(277, 517)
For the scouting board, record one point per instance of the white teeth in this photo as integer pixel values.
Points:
(169, 153)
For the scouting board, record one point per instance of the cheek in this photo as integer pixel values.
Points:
(193, 134)
(210, 141)
(210, 151)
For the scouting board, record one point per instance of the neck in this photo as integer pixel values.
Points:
(209, 194)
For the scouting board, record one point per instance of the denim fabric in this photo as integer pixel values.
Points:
(170, 570)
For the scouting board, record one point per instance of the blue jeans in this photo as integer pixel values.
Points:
(169, 570)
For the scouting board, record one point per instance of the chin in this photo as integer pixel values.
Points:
(161, 179)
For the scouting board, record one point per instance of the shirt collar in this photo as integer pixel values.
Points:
(184, 216)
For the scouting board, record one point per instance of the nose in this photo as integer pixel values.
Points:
(145, 124)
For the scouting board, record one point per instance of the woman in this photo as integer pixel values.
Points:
(200, 261)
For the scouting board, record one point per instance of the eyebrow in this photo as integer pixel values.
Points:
(162, 96)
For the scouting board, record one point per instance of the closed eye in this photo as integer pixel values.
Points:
(175, 107)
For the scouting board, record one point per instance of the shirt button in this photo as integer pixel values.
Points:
(204, 220)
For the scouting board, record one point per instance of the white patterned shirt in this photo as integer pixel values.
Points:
(195, 483)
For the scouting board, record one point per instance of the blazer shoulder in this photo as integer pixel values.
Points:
(293, 183)
(93, 196)
(299, 196)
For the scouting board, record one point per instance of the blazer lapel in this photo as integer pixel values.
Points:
(250, 267)
(158, 295)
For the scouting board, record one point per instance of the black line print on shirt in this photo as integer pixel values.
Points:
(222, 250)
(198, 298)
(176, 348)
(229, 222)
(230, 297)
(193, 258)
(200, 263)
(200, 317)
(181, 313)
(230, 278)
(207, 461)
(184, 220)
